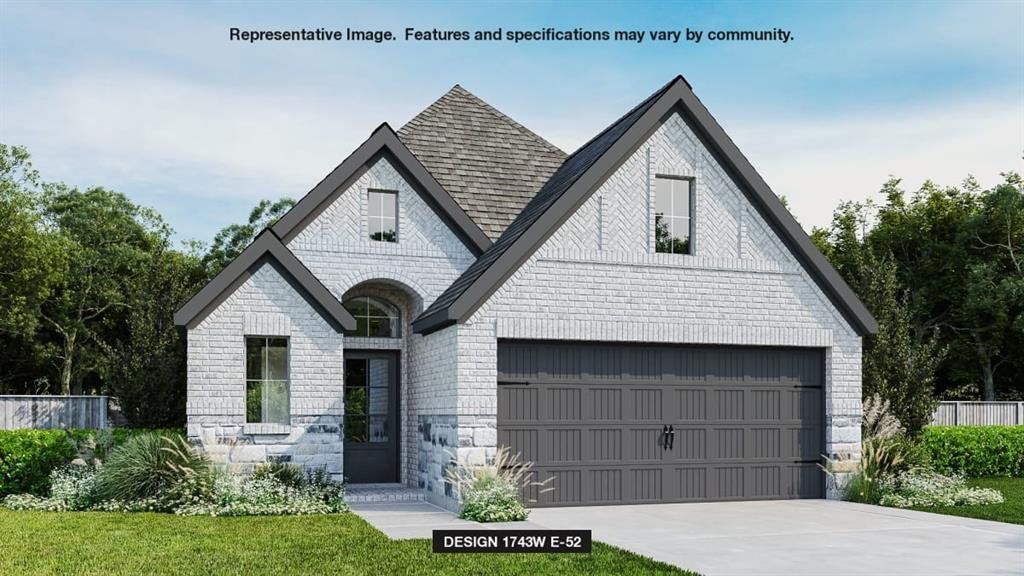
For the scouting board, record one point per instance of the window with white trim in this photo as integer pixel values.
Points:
(673, 214)
(266, 379)
(383, 215)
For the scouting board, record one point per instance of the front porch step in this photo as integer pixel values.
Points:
(383, 493)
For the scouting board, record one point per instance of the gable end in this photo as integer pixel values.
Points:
(585, 171)
(265, 249)
(382, 143)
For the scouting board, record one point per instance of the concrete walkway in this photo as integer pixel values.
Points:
(794, 537)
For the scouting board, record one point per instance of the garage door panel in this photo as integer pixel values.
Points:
(563, 403)
(562, 445)
(518, 404)
(691, 404)
(746, 421)
(691, 484)
(605, 485)
(603, 403)
(605, 444)
(646, 404)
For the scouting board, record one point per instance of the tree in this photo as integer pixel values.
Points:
(899, 364)
(230, 241)
(107, 240)
(897, 367)
(149, 372)
(31, 264)
(957, 250)
(31, 261)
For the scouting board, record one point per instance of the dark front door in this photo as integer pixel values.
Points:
(629, 424)
(371, 416)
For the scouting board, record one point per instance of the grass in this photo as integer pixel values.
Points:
(114, 543)
(1012, 510)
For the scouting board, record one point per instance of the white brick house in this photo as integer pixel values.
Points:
(463, 284)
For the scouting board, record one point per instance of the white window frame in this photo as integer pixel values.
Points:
(381, 218)
(691, 219)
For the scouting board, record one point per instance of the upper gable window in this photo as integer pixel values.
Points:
(673, 212)
(383, 215)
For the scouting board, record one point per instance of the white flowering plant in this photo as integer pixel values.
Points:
(267, 496)
(926, 489)
(490, 493)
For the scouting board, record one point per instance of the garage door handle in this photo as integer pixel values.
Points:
(664, 437)
(671, 437)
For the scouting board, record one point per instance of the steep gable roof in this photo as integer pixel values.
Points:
(265, 249)
(489, 163)
(583, 172)
(382, 143)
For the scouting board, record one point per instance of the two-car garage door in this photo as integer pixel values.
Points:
(619, 424)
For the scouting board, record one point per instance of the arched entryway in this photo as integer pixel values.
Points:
(374, 425)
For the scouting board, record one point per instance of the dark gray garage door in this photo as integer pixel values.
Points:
(614, 424)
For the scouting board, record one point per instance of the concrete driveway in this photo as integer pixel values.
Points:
(797, 537)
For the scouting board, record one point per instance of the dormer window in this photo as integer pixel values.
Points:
(673, 211)
(383, 215)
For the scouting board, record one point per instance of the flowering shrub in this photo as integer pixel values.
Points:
(71, 488)
(492, 499)
(920, 488)
(490, 493)
(267, 496)
(157, 473)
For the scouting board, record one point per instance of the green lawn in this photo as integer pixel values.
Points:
(112, 543)
(1010, 511)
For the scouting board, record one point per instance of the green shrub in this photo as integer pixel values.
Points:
(975, 451)
(27, 457)
(147, 465)
(287, 474)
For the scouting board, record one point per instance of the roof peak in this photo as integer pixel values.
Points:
(489, 163)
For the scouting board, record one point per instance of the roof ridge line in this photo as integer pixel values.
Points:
(656, 94)
(490, 108)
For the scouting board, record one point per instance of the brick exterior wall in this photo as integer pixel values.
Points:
(335, 246)
(266, 305)
(598, 278)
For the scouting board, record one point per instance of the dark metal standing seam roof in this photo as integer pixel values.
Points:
(583, 172)
(490, 164)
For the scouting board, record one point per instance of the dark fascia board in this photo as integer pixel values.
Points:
(679, 97)
(265, 249)
(383, 142)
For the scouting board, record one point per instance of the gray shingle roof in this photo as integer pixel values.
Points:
(490, 164)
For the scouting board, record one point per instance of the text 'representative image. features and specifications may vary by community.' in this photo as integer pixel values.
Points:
(514, 36)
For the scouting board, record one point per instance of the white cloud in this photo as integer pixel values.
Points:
(146, 131)
(148, 128)
(818, 162)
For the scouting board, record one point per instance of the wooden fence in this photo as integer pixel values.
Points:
(979, 413)
(53, 412)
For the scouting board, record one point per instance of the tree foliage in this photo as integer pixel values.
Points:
(956, 261)
(230, 241)
(89, 284)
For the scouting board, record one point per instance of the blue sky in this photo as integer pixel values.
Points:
(151, 98)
